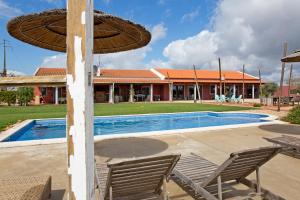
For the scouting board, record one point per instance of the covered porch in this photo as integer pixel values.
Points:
(130, 92)
(187, 90)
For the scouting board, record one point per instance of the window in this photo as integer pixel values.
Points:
(212, 89)
(117, 91)
(146, 90)
(178, 92)
(44, 91)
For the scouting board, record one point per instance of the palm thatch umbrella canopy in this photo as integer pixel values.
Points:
(48, 30)
(294, 57)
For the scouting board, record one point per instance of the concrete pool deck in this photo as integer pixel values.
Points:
(281, 175)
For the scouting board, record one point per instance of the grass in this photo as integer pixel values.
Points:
(11, 114)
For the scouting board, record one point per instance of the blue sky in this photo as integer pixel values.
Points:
(26, 58)
(184, 32)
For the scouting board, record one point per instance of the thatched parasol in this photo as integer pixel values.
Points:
(48, 30)
(294, 57)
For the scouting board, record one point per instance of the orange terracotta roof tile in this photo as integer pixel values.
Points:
(212, 81)
(43, 71)
(128, 80)
(203, 74)
(127, 73)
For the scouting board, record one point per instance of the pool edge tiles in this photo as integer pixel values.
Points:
(271, 120)
(18, 127)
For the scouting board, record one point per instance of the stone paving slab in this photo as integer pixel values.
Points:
(281, 175)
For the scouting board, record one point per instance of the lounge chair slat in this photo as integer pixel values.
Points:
(238, 166)
(195, 165)
(290, 144)
(135, 180)
(131, 163)
(148, 196)
(203, 192)
(197, 168)
(135, 187)
(154, 171)
(135, 177)
(144, 168)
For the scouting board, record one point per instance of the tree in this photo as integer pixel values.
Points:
(269, 89)
(25, 95)
(8, 97)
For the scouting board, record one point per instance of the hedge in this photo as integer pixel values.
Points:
(294, 115)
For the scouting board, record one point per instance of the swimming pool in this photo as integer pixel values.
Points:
(112, 125)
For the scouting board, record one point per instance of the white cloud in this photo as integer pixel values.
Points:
(107, 1)
(188, 17)
(7, 10)
(127, 59)
(52, 1)
(158, 32)
(244, 32)
(15, 73)
(189, 51)
(56, 61)
(161, 2)
(168, 12)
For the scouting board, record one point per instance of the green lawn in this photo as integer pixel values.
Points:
(10, 115)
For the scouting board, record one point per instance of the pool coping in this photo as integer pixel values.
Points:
(271, 119)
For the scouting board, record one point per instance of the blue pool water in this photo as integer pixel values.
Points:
(56, 128)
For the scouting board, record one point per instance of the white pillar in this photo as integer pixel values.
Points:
(195, 92)
(131, 93)
(234, 90)
(111, 93)
(253, 91)
(151, 93)
(216, 89)
(56, 95)
(80, 101)
(171, 92)
(37, 100)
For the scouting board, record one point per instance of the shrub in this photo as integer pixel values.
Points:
(25, 95)
(294, 115)
(8, 97)
(257, 105)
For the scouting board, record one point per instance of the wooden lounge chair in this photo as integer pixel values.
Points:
(290, 145)
(199, 173)
(25, 188)
(135, 179)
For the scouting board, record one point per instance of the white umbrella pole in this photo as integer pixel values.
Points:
(80, 20)
(220, 76)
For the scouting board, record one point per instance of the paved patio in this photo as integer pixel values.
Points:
(281, 175)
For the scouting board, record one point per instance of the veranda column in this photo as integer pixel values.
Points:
(171, 92)
(56, 95)
(131, 93)
(234, 90)
(216, 89)
(111, 93)
(151, 93)
(80, 21)
(253, 91)
(195, 93)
